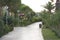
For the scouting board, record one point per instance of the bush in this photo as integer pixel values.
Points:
(4, 29)
(15, 22)
(45, 16)
(48, 34)
(57, 23)
(52, 21)
(36, 19)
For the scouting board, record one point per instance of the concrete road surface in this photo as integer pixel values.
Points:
(31, 32)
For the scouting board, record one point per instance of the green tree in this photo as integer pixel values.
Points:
(26, 9)
(49, 6)
(13, 5)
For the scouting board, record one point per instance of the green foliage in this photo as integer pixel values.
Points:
(13, 5)
(45, 16)
(15, 22)
(12, 20)
(56, 23)
(25, 9)
(48, 34)
(52, 21)
(36, 19)
(4, 28)
(49, 6)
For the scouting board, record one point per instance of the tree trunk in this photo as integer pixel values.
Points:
(0, 11)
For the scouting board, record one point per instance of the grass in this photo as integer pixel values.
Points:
(48, 34)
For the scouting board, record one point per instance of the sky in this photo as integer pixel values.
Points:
(36, 5)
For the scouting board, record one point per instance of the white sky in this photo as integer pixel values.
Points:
(35, 5)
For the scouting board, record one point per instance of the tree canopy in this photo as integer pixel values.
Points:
(49, 6)
(12, 4)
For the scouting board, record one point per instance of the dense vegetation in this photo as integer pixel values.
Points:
(15, 15)
(6, 21)
(26, 16)
(49, 34)
(51, 20)
(4, 28)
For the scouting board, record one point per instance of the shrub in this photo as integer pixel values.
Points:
(52, 21)
(4, 29)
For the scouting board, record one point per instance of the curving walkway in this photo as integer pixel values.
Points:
(31, 32)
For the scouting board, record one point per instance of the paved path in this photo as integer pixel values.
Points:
(31, 32)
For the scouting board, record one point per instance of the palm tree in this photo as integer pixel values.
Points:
(49, 6)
